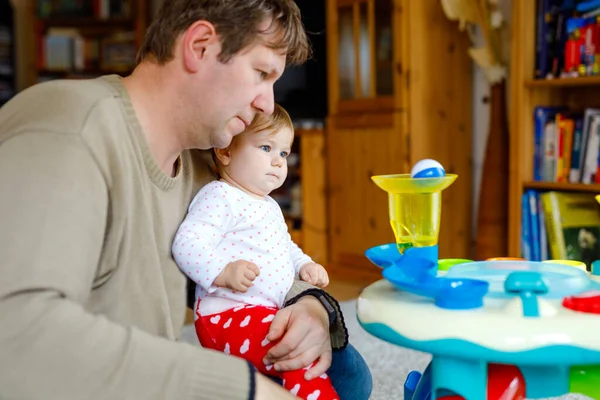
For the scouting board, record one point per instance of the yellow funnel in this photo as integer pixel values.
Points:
(415, 207)
(598, 198)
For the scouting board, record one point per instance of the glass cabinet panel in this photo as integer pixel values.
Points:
(346, 53)
(364, 51)
(384, 47)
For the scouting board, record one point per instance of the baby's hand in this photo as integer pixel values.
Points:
(314, 274)
(238, 275)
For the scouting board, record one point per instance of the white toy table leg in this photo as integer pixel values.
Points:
(466, 378)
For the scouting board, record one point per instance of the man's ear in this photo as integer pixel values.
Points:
(198, 42)
(224, 155)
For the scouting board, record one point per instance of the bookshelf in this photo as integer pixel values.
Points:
(90, 39)
(526, 93)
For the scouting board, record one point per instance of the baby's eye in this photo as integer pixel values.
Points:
(284, 154)
(265, 148)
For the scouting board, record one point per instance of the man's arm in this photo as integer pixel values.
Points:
(53, 213)
(337, 328)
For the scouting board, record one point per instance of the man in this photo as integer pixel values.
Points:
(96, 176)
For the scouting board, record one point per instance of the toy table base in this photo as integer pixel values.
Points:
(451, 368)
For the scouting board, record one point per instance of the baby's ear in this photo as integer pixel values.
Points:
(223, 155)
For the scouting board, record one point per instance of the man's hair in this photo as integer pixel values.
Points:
(236, 22)
(278, 120)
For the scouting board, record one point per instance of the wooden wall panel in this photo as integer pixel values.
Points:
(439, 115)
(358, 209)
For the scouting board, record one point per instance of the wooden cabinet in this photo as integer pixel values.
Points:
(399, 90)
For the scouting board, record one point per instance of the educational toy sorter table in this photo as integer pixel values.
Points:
(541, 318)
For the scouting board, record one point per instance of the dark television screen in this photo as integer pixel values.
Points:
(302, 90)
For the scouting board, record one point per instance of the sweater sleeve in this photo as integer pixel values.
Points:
(208, 220)
(54, 209)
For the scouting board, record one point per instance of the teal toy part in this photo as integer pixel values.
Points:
(596, 268)
(564, 354)
(528, 285)
(415, 272)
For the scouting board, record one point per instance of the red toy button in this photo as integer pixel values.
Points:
(587, 302)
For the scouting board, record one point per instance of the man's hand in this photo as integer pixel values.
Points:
(238, 275)
(303, 329)
(266, 389)
(314, 274)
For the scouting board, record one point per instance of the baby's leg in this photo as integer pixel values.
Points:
(319, 388)
(241, 331)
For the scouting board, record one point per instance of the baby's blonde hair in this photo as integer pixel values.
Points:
(279, 119)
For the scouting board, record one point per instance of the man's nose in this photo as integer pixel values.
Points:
(265, 102)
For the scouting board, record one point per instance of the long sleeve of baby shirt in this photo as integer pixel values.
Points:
(195, 248)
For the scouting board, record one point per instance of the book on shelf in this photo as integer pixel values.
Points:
(567, 38)
(69, 45)
(560, 226)
(103, 9)
(566, 145)
(68, 50)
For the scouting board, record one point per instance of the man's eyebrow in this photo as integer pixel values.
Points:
(271, 70)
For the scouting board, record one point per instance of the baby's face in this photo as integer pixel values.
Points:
(259, 160)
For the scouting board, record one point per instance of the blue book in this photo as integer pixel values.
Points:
(534, 226)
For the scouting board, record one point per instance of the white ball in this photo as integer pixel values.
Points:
(427, 168)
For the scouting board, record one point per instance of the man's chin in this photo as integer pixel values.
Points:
(223, 140)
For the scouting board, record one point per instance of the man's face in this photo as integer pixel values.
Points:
(227, 96)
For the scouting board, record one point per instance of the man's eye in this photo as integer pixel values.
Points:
(265, 148)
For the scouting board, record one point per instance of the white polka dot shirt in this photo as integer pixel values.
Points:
(225, 224)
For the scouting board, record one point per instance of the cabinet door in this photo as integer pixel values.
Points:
(361, 56)
(357, 208)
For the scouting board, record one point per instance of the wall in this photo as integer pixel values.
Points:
(481, 111)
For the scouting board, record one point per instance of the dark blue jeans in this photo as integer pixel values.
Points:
(349, 374)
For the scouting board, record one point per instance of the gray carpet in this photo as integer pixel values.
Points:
(389, 364)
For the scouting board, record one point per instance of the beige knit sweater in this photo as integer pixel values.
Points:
(91, 302)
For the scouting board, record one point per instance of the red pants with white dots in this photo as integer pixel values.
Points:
(242, 332)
